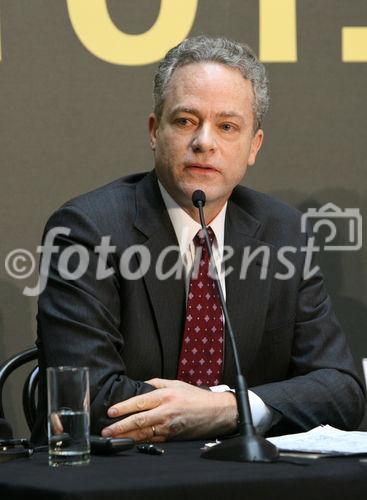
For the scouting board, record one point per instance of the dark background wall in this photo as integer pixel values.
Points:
(71, 121)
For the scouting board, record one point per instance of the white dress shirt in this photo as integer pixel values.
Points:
(186, 229)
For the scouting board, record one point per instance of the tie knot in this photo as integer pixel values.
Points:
(200, 237)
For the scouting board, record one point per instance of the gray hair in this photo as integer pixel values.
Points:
(219, 50)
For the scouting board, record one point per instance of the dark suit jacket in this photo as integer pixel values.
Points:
(292, 349)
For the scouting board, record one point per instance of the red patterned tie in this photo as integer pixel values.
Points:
(201, 355)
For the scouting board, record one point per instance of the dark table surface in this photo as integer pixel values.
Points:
(181, 474)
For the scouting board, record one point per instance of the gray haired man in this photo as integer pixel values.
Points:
(153, 345)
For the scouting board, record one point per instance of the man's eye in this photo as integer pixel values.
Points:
(182, 122)
(227, 127)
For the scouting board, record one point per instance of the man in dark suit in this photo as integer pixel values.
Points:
(131, 326)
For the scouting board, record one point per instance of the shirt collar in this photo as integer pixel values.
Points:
(186, 228)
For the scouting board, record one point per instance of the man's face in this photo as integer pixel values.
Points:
(205, 138)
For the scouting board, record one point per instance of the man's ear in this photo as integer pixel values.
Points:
(153, 126)
(256, 143)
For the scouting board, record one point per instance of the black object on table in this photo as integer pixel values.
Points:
(180, 473)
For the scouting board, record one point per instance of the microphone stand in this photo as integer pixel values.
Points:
(248, 446)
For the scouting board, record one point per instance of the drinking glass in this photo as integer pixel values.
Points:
(68, 415)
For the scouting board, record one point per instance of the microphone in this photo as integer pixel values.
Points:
(198, 199)
(248, 446)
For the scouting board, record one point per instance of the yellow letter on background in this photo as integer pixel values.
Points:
(354, 44)
(278, 31)
(97, 32)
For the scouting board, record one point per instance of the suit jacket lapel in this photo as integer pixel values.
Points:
(246, 299)
(167, 296)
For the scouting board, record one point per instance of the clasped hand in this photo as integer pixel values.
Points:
(175, 410)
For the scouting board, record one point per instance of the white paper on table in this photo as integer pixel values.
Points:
(364, 365)
(323, 439)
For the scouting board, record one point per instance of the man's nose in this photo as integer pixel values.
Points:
(204, 140)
